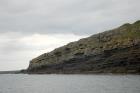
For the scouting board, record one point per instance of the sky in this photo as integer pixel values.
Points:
(29, 28)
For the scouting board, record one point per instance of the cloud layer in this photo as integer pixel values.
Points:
(66, 16)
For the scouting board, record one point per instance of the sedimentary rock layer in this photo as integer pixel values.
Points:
(113, 51)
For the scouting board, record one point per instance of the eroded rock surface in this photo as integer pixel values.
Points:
(114, 51)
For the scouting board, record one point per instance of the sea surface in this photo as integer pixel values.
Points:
(23, 83)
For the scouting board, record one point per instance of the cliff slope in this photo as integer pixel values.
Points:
(114, 51)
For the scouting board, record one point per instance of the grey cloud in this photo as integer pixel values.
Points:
(61, 16)
(14, 6)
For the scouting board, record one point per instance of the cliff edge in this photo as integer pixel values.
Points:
(113, 51)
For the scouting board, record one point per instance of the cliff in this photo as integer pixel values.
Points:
(113, 51)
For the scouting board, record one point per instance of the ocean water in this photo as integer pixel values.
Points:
(23, 83)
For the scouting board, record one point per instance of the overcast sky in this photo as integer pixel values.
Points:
(29, 28)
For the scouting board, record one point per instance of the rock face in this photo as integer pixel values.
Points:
(114, 51)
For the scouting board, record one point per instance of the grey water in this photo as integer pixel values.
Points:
(23, 83)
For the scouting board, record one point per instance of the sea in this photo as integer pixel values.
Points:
(57, 83)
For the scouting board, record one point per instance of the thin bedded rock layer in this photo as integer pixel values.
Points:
(114, 51)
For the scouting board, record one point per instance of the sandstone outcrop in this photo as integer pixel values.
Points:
(113, 51)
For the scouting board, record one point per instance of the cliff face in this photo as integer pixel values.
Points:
(114, 51)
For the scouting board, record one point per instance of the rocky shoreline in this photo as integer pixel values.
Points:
(113, 51)
(11, 72)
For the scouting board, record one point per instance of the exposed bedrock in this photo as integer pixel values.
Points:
(114, 51)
